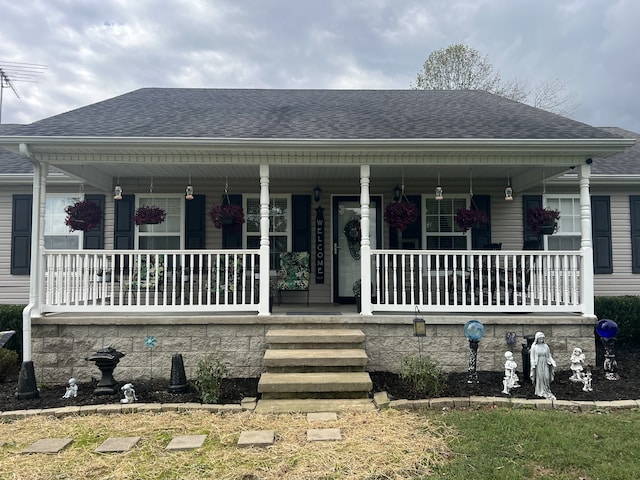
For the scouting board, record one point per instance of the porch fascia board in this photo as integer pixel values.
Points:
(588, 146)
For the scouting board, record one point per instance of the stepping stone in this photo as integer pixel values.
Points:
(322, 417)
(48, 445)
(186, 442)
(257, 438)
(324, 435)
(117, 444)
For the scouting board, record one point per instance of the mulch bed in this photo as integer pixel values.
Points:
(234, 389)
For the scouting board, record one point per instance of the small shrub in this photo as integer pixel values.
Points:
(9, 364)
(11, 319)
(209, 376)
(625, 311)
(423, 376)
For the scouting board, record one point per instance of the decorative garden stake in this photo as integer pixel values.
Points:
(106, 359)
(129, 393)
(510, 379)
(474, 330)
(150, 342)
(608, 330)
(72, 389)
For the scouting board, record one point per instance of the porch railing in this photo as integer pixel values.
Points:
(150, 280)
(476, 281)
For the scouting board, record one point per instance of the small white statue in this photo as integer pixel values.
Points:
(586, 379)
(72, 389)
(510, 377)
(577, 365)
(129, 393)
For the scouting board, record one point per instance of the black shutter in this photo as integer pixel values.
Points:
(411, 236)
(301, 223)
(232, 234)
(94, 239)
(194, 225)
(531, 239)
(601, 232)
(634, 206)
(21, 234)
(481, 235)
(123, 228)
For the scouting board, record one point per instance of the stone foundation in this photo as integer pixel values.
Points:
(61, 344)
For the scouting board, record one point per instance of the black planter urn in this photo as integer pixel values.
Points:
(106, 359)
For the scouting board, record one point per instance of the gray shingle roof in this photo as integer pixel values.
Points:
(624, 163)
(12, 163)
(311, 114)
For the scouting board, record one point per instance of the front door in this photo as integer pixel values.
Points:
(346, 244)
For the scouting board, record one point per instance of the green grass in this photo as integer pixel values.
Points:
(528, 444)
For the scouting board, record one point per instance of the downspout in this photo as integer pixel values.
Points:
(27, 387)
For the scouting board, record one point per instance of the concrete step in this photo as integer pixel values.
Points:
(335, 384)
(312, 357)
(313, 405)
(294, 337)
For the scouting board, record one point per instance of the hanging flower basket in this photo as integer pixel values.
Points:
(467, 218)
(83, 215)
(150, 215)
(225, 215)
(400, 215)
(543, 221)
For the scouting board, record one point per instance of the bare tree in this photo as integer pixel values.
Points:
(459, 67)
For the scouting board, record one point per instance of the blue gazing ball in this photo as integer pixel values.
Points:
(474, 330)
(607, 328)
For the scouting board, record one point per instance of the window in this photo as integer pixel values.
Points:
(568, 235)
(168, 234)
(442, 233)
(56, 233)
(279, 226)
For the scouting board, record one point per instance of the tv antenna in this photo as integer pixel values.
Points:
(12, 72)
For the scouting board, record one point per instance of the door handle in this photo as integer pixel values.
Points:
(335, 248)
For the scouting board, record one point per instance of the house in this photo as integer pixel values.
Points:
(313, 171)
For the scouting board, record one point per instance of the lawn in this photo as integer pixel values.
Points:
(469, 444)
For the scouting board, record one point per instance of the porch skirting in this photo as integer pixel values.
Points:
(60, 343)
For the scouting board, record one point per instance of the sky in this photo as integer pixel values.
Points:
(98, 49)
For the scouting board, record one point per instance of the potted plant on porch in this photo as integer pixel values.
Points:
(543, 221)
(83, 215)
(467, 218)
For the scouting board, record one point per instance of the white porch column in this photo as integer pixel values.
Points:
(586, 244)
(264, 287)
(36, 275)
(365, 243)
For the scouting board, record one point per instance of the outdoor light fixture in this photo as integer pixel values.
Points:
(189, 191)
(316, 193)
(419, 327)
(508, 192)
(117, 192)
(397, 193)
(439, 195)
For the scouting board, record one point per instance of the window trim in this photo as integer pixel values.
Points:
(425, 233)
(574, 234)
(76, 233)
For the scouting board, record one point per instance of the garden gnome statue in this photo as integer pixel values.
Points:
(129, 394)
(542, 367)
(72, 389)
(510, 378)
(577, 365)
